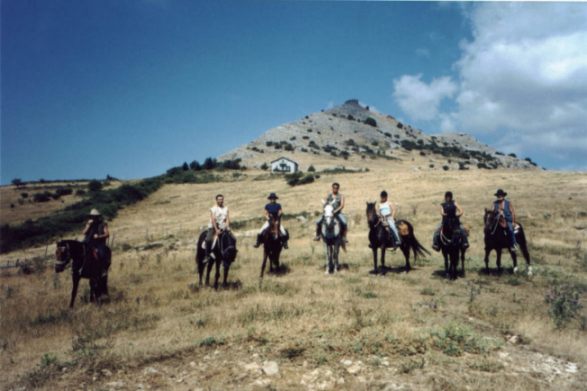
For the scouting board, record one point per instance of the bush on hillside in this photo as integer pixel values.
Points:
(371, 122)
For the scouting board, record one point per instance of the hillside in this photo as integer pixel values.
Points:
(302, 329)
(355, 133)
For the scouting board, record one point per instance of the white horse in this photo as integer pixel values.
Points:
(331, 234)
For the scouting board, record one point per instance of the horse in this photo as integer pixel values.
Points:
(332, 236)
(224, 252)
(272, 245)
(496, 238)
(378, 235)
(85, 264)
(452, 247)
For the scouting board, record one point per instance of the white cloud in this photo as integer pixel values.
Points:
(423, 52)
(522, 79)
(419, 100)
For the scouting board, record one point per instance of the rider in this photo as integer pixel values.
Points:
(219, 221)
(337, 201)
(505, 209)
(387, 211)
(451, 213)
(272, 209)
(96, 233)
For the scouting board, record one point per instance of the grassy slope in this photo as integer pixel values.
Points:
(415, 329)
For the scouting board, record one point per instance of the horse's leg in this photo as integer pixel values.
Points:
(336, 263)
(217, 274)
(463, 251)
(209, 270)
(225, 276)
(406, 251)
(486, 260)
(383, 260)
(514, 260)
(264, 263)
(374, 249)
(445, 256)
(498, 260)
(75, 280)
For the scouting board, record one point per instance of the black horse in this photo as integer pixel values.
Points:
(496, 238)
(272, 245)
(224, 252)
(380, 239)
(452, 247)
(86, 264)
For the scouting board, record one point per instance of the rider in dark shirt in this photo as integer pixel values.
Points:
(272, 210)
(451, 213)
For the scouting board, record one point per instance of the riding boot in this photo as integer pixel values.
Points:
(318, 233)
(259, 240)
(208, 251)
(436, 241)
(465, 240)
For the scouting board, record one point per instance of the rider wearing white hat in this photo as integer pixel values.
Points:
(96, 233)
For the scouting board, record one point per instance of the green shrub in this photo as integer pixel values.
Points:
(299, 178)
(42, 197)
(564, 304)
(371, 122)
(94, 185)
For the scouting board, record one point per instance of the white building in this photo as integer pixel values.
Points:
(284, 164)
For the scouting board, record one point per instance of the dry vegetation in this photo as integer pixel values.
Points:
(349, 331)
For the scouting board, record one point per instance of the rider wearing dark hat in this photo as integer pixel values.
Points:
(505, 209)
(451, 213)
(272, 210)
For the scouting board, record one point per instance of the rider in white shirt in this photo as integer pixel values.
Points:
(387, 211)
(219, 221)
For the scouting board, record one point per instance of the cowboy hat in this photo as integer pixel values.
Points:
(500, 193)
(272, 196)
(95, 212)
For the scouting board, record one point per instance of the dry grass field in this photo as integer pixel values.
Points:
(302, 329)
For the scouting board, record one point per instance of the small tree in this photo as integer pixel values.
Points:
(17, 182)
(210, 163)
(264, 166)
(311, 169)
(195, 165)
(94, 185)
(185, 166)
(371, 121)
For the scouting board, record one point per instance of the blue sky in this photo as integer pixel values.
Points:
(131, 88)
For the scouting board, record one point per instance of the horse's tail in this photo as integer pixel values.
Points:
(522, 243)
(412, 241)
(200, 252)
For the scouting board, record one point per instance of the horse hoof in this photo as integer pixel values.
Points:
(516, 270)
(530, 271)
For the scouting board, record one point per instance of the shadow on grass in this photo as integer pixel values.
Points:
(383, 270)
(280, 270)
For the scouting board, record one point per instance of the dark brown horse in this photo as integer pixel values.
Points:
(379, 239)
(84, 264)
(452, 247)
(496, 238)
(272, 245)
(224, 253)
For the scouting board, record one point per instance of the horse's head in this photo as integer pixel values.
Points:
(371, 212)
(227, 246)
(489, 217)
(328, 214)
(62, 256)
